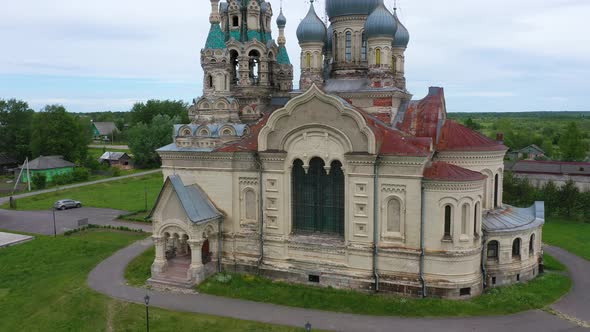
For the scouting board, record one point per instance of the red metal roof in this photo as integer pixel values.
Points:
(455, 137)
(250, 142)
(422, 117)
(441, 171)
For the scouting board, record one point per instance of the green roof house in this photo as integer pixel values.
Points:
(49, 166)
(103, 129)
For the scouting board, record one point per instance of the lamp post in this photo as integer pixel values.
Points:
(54, 227)
(308, 327)
(147, 312)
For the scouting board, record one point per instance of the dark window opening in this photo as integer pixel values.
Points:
(335, 41)
(318, 198)
(532, 245)
(518, 277)
(235, 21)
(210, 82)
(496, 189)
(448, 217)
(493, 250)
(205, 252)
(493, 280)
(516, 248)
(254, 63)
(364, 47)
(235, 67)
(465, 291)
(475, 218)
(314, 278)
(534, 272)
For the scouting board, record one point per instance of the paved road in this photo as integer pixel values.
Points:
(76, 185)
(108, 279)
(41, 222)
(108, 146)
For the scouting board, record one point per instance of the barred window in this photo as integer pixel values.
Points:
(364, 47)
(493, 250)
(348, 46)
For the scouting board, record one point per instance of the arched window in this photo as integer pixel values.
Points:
(393, 216)
(493, 250)
(318, 198)
(235, 66)
(308, 60)
(475, 219)
(206, 252)
(363, 47)
(378, 57)
(394, 63)
(448, 220)
(204, 132)
(250, 204)
(516, 248)
(209, 81)
(235, 21)
(532, 245)
(348, 45)
(335, 42)
(496, 190)
(226, 132)
(254, 66)
(464, 218)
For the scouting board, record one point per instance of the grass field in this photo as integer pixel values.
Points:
(571, 236)
(506, 300)
(125, 194)
(43, 288)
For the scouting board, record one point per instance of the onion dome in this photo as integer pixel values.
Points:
(381, 23)
(311, 29)
(402, 35)
(329, 37)
(336, 8)
(281, 20)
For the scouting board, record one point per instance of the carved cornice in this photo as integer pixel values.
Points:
(393, 188)
(248, 181)
(453, 186)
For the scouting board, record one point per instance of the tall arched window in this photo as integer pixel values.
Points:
(532, 245)
(393, 216)
(348, 45)
(235, 21)
(378, 57)
(209, 81)
(464, 218)
(250, 204)
(235, 66)
(448, 220)
(318, 198)
(394, 63)
(516, 248)
(496, 189)
(335, 41)
(254, 66)
(308, 60)
(493, 248)
(363, 47)
(475, 219)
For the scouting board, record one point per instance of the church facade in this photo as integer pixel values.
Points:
(346, 182)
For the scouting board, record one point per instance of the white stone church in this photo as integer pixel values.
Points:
(346, 182)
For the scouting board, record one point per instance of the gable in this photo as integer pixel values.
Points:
(312, 111)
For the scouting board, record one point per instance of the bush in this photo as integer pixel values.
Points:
(39, 181)
(91, 163)
(81, 174)
(116, 172)
(61, 179)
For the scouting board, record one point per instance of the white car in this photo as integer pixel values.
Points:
(67, 204)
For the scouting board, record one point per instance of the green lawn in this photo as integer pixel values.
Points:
(571, 236)
(506, 300)
(125, 194)
(552, 263)
(43, 288)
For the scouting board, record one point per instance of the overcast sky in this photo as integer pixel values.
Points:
(497, 56)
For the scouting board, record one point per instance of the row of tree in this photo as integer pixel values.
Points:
(54, 131)
(560, 201)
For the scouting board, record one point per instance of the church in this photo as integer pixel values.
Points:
(347, 181)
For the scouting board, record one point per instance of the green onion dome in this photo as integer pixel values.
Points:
(311, 28)
(381, 23)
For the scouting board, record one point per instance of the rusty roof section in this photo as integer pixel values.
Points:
(423, 117)
(455, 137)
(248, 143)
(441, 171)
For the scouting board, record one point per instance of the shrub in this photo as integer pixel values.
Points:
(39, 181)
(116, 172)
(81, 174)
(91, 163)
(61, 179)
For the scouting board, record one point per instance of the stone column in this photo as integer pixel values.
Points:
(196, 271)
(160, 263)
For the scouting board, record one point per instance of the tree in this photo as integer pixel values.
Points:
(469, 123)
(569, 196)
(56, 132)
(572, 145)
(145, 113)
(550, 194)
(144, 139)
(15, 128)
(39, 181)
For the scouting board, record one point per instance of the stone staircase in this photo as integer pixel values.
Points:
(176, 274)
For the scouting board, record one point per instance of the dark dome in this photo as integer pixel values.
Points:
(311, 29)
(336, 8)
(281, 20)
(402, 35)
(381, 23)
